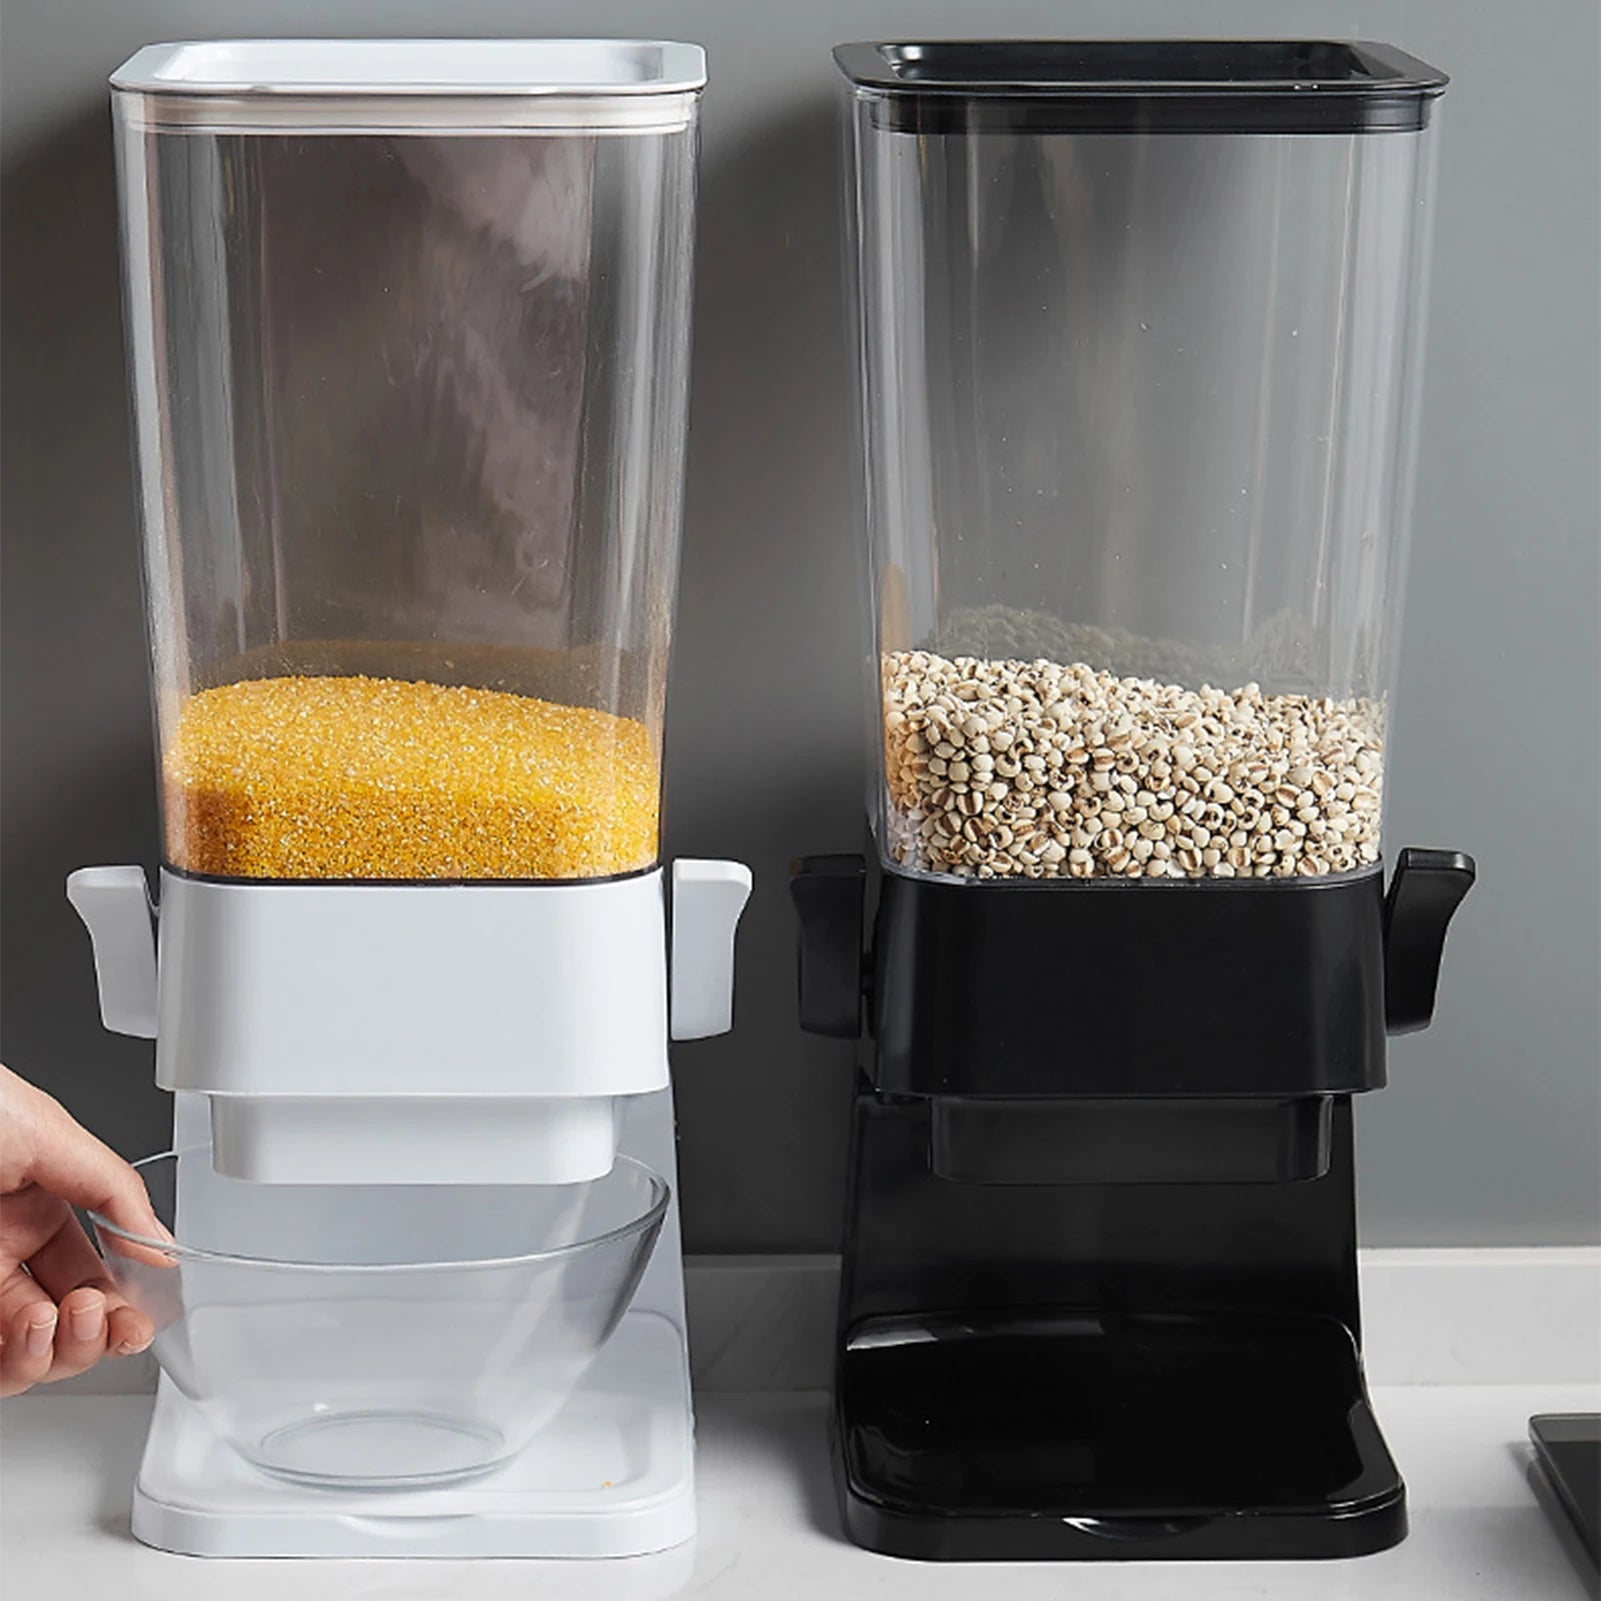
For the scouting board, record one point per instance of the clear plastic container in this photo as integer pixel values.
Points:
(408, 341)
(1139, 330)
(340, 1336)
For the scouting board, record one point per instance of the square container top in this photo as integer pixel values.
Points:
(300, 86)
(1181, 86)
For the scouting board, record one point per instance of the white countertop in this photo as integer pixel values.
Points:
(768, 1529)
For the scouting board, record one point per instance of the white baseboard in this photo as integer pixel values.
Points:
(1525, 1316)
(1508, 1316)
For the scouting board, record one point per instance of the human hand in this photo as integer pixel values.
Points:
(59, 1312)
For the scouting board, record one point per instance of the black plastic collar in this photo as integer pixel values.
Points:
(1194, 86)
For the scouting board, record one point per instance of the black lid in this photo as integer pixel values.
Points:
(1143, 86)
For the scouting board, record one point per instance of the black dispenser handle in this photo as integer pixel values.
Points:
(829, 893)
(1426, 889)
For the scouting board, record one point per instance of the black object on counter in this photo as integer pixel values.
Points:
(1567, 1445)
(1099, 1296)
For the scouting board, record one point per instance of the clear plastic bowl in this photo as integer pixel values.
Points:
(382, 1336)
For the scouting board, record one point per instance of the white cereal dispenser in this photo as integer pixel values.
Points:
(408, 345)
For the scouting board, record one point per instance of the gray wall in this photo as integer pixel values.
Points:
(1489, 1132)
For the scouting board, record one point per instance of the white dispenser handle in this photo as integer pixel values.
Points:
(114, 903)
(708, 898)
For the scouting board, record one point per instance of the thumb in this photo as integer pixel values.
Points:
(69, 1162)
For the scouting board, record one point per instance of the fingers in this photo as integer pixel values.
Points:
(67, 1260)
(128, 1330)
(67, 1263)
(45, 1342)
(41, 1342)
(81, 1327)
(61, 1312)
(28, 1321)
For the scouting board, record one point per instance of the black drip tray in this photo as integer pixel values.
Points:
(1173, 1435)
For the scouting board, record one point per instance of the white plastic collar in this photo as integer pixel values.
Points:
(418, 86)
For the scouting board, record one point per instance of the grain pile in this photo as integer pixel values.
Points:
(1005, 769)
(1282, 648)
(375, 778)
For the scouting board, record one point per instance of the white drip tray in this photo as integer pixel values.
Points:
(610, 1476)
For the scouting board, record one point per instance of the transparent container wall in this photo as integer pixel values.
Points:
(1138, 434)
(409, 390)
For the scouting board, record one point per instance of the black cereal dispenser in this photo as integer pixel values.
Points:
(1139, 343)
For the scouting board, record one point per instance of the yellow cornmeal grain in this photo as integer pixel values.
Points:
(329, 778)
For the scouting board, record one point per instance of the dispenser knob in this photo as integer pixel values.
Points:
(829, 893)
(1427, 888)
(708, 898)
(114, 903)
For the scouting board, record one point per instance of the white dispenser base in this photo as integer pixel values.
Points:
(531, 1046)
(611, 1476)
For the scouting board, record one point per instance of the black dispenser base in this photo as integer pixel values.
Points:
(1099, 1294)
(1115, 1370)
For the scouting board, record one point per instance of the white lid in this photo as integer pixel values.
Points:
(411, 85)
